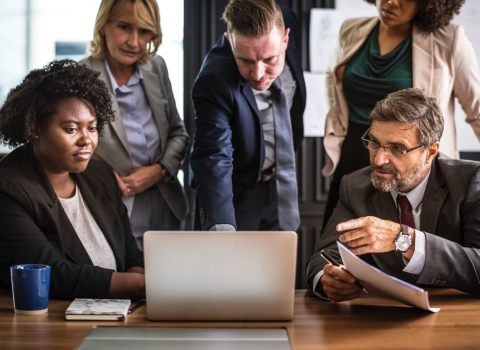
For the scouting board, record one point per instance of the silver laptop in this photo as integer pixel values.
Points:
(225, 276)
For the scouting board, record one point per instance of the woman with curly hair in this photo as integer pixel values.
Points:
(410, 44)
(57, 206)
(147, 143)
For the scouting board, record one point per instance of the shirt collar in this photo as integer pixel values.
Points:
(415, 196)
(134, 79)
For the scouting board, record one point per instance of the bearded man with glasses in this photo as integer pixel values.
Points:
(414, 213)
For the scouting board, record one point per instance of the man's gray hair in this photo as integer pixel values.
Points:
(415, 107)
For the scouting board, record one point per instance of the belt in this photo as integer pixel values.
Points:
(267, 174)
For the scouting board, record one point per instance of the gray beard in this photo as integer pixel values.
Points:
(399, 183)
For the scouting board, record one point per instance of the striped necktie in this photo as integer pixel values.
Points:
(286, 175)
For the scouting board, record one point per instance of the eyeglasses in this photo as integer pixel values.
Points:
(395, 151)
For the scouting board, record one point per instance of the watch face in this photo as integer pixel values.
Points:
(403, 242)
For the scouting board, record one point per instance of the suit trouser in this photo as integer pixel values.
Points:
(151, 212)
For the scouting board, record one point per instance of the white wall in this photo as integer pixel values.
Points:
(72, 21)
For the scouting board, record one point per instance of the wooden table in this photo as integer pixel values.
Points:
(359, 324)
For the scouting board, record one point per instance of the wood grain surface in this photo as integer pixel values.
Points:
(317, 324)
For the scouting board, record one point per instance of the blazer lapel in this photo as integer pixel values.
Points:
(67, 239)
(72, 245)
(433, 199)
(422, 59)
(247, 92)
(294, 63)
(35, 173)
(384, 206)
(157, 99)
(356, 40)
(117, 124)
(93, 194)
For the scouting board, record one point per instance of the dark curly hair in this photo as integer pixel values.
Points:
(434, 14)
(37, 98)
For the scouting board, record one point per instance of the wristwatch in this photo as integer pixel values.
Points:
(403, 240)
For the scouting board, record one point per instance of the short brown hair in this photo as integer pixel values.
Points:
(145, 11)
(253, 18)
(434, 14)
(415, 107)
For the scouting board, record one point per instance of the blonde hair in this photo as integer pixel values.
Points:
(145, 11)
(253, 18)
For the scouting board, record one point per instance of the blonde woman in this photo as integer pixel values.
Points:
(147, 142)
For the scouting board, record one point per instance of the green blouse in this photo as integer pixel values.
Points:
(369, 77)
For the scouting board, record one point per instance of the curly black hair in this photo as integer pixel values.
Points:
(434, 14)
(37, 98)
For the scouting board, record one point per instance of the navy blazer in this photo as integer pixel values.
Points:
(229, 148)
(450, 219)
(36, 229)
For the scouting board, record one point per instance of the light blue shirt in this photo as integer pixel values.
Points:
(137, 117)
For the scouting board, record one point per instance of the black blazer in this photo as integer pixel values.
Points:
(229, 149)
(450, 219)
(35, 228)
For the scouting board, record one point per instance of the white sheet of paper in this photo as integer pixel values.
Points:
(317, 107)
(381, 285)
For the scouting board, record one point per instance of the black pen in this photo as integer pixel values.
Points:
(334, 262)
(137, 305)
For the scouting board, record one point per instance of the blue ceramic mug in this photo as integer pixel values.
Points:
(30, 288)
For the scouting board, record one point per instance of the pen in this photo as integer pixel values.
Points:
(332, 261)
(137, 305)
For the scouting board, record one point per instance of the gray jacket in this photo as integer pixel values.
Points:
(450, 219)
(113, 147)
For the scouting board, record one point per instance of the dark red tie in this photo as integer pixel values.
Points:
(406, 215)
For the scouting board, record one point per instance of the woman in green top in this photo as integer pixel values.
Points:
(410, 44)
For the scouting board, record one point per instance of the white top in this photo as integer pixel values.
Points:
(88, 231)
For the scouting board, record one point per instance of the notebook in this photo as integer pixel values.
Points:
(224, 276)
(98, 309)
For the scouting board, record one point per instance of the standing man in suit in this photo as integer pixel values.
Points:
(240, 148)
(414, 213)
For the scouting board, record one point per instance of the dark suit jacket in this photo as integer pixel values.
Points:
(229, 148)
(450, 219)
(35, 228)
